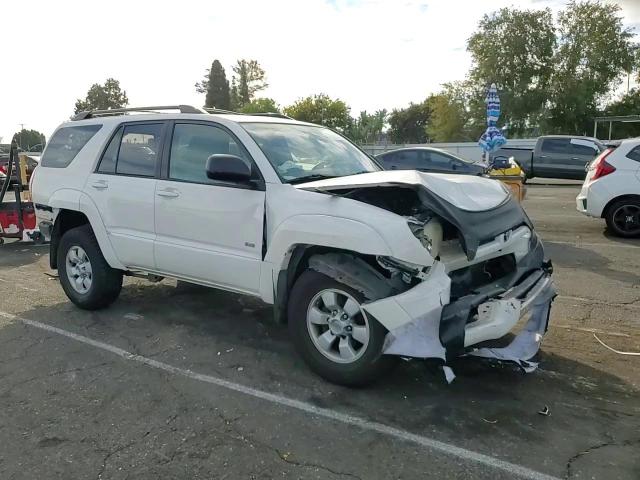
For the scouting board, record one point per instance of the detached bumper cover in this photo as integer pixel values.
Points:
(431, 327)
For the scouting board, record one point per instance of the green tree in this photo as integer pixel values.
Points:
(366, 128)
(447, 122)
(260, 105)
(249, 79)
(407, 125)
(30, 140)
(102, 97)
(216, 87)
(514, 49)
(321, 109)
(594, 52)
(629, 104)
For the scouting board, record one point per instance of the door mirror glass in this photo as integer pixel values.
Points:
(228, 168)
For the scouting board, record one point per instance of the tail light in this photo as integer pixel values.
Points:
(3, 169)
(601, 166)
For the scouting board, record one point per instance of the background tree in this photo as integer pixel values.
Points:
(260, 105)
(407, 125)
(629, 104)
(514, 49)
(447, 122)
(594, 51)
(30, 140)
(249, 79)
(323, 110)
(216, 87)
(102, 97)
(366, 128)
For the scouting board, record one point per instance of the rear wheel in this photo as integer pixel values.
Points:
(333, 333)
(84, 274)
(623, 218)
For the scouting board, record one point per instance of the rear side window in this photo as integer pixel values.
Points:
(65, 144)
(634, 154)
(110, 155)
(556, 145)
(139, 150)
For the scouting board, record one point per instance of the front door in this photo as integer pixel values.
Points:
(123, 190)
(207, 231)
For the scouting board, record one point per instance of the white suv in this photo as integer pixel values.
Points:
(362, 263)
(612, 189)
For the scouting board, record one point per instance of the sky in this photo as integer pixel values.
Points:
(372, 54)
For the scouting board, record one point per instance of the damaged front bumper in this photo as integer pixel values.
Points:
(423, 323)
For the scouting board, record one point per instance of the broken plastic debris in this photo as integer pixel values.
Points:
(448, 374)
(614, 350)
(229, 351)
(133, 316)
(240, 369)
(545, 411)
(490, 421)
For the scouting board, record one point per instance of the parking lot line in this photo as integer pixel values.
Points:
(587, 244)
(432, 444)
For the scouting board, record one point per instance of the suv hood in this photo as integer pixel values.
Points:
(466, 192)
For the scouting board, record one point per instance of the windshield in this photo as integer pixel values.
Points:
(301, 153)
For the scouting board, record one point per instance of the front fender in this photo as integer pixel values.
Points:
(325, 231)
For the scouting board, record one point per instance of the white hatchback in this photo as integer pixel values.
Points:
(611, 189)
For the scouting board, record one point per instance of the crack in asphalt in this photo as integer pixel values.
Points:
(110, 454)
(285, 458)
(610, 443)
(60, 372)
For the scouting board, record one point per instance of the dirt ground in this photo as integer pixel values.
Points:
(185, 382)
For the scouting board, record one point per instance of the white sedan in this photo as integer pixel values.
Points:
(611, 189)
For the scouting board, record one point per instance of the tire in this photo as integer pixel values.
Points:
(369, 363)
(617, 217)
(101, 284)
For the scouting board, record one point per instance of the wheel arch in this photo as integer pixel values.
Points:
(345, 266)
(631, 196)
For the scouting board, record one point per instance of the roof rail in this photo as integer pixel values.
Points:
(120, 111)
(271, 114)
(220, 110)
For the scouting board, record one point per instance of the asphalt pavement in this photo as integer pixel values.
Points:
(179, 381)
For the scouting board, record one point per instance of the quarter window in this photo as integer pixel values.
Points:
(108, 162)
(139, 149)
(634, 154)
(192, 145)
(66, 143)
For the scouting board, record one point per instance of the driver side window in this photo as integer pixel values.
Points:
(193, 144)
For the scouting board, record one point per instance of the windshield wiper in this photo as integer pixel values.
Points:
(310, 178)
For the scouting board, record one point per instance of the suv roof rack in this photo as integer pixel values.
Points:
(120, 111)
(258, 114)
(271, 114)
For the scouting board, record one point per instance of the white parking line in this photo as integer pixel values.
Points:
(435, 445)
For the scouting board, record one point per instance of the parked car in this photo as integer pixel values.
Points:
(611, 189)
(362, 263)
(428, 159)
(555, 156)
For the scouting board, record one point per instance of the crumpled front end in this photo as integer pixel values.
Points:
(438, 318)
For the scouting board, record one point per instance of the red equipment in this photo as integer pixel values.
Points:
(17, 218)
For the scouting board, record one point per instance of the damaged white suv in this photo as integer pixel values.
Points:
(363, 264)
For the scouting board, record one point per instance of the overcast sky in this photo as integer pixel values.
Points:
(371, 53)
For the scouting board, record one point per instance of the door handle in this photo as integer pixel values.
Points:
(575, 158)
(100, 185)
(167, 193)
(544, 156)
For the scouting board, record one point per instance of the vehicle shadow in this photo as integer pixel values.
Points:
(576, 257)
(216, 333)
(16, 254)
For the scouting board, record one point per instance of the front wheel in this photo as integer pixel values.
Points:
(623, 218)
(333, 333)
(84, 274)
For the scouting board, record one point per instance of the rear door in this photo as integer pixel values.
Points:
(123, 190)
(583, 152)
(553, 158)
(207, 231)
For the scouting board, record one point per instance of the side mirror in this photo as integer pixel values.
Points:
(228, 168)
